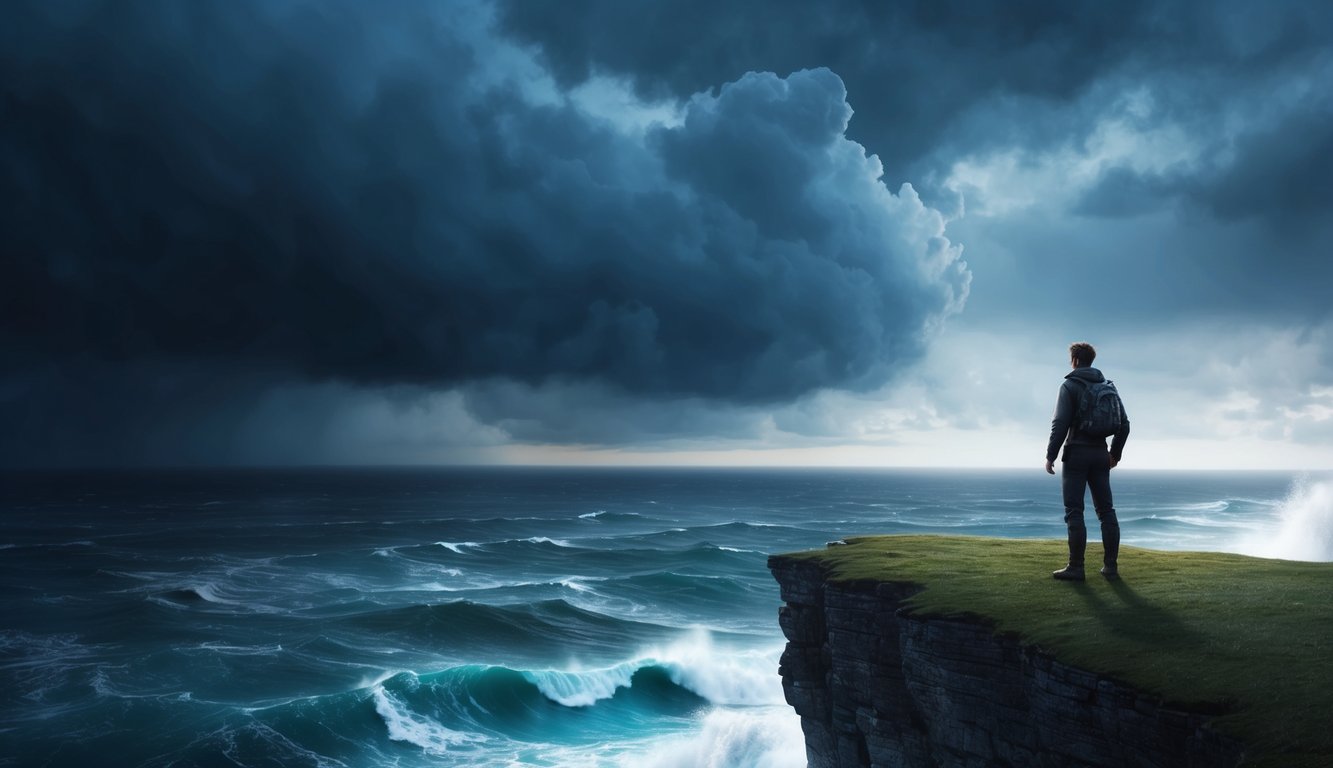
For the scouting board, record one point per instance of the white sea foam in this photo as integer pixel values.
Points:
(406, 725)
(1195, 520)
(238, 650)
(283, 750)
(378, 679)
(546, 540)
(1206, 506)
(458, 546)
(576, 583)
(723, 676)
(102, 685)
(155, 600)
(431, 586)
(1304, 526)
(767, 737)
(583, 688)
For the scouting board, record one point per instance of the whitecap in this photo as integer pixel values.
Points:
(405, 725)
(587, 687)
(546, 540)
(727, 678)
(577, 584)
(457, 547)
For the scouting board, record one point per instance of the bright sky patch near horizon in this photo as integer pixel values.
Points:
(501, 231)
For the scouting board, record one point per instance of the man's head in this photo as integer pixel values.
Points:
(1081, 354)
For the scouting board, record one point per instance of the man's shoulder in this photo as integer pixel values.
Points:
(1085, 376)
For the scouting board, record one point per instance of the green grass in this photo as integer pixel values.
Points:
(1243, 636)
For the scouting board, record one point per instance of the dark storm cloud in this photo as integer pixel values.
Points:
(1285, 173)
(233, 193)
(1123, 193)
(1281, 174)
(591, 414)
(913, 69)
(82, 413)
(936, 81)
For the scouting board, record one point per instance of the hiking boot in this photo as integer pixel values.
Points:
(1069, 573)
(1110, 572)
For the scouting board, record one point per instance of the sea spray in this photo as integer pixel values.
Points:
(732, 677)
(762, 737)
(1304, 525)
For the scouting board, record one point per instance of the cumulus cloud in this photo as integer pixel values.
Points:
(396, 197)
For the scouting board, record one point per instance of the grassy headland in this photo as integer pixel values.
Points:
(1246, 637)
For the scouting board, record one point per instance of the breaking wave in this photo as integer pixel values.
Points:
(1303, 528)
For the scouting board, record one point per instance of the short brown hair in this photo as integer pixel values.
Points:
(1083, 352)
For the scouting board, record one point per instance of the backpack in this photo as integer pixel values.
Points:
(1100, 410)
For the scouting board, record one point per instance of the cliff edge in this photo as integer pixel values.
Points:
(958, 651)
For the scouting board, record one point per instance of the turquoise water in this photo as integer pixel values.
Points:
(477, 617)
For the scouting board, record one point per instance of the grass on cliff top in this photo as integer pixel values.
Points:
(1249, 637)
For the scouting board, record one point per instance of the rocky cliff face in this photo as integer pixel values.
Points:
(878, 686)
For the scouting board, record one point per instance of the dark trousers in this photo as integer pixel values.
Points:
(1088, 467)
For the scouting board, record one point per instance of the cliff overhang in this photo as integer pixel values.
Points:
(882, 676)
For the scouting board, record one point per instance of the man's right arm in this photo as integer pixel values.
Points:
(1060, 423)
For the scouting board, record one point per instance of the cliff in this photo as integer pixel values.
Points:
(938, 651)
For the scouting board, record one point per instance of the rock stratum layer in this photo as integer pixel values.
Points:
(877, 685)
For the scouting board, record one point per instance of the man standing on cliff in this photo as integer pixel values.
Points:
(1087, 462)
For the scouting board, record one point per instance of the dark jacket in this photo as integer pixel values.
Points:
(1064, 427)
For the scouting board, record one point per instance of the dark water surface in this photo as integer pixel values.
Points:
(556, 617)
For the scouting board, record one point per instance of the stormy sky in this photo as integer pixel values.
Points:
(531, 231)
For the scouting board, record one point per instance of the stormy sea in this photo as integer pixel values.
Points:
(483, 617)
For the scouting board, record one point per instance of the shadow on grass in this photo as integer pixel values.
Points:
(1132, 616)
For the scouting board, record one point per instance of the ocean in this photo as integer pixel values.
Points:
(483, 617)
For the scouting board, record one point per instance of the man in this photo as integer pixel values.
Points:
(1087, 464)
